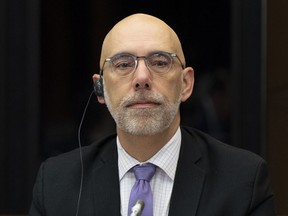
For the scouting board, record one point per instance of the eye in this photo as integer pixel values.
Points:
(123, 62)
(123, 65)
(159, 63)
(159, 60)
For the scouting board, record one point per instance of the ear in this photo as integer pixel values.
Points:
(188, 83)
(96, 77)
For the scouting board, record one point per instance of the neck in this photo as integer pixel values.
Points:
(142, 148)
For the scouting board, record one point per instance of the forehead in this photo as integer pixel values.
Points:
(139, 38)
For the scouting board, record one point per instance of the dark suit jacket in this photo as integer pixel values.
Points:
(212, 179)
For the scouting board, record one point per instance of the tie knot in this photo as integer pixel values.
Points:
(144, 172)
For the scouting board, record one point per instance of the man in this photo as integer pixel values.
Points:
(144, 79)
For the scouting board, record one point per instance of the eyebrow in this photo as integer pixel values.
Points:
(149, 53)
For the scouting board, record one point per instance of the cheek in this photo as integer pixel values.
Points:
(170, 88)
(116, 90)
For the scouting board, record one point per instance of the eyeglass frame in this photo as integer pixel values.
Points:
(136, 58)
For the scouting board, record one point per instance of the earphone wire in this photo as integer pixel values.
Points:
(80, 153)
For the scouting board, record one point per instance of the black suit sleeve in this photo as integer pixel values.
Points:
(37, 206)
(262, 203)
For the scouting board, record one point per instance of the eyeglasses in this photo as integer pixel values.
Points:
(124, 64)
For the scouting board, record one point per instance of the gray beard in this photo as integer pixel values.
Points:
(147, 121)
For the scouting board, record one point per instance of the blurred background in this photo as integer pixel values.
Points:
(50, 49)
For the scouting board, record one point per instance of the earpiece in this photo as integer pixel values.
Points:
(98, 87)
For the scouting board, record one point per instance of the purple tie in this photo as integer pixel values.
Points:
(141, 194)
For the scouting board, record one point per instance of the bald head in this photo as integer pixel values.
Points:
(140, 34)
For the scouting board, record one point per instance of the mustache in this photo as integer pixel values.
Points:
(140, 96)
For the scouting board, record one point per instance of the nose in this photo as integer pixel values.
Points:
(142, 76)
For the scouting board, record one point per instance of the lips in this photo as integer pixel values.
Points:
(143, 104)
(142, 99)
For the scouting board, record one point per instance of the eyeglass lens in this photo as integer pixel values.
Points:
(124, 64)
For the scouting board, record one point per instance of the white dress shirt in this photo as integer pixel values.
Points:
(162, 182)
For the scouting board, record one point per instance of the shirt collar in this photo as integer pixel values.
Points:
(166, 158)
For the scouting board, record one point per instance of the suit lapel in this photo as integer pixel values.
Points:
(189, 179)
(188, 184)
(106, 182)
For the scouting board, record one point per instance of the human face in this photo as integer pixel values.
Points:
(144, 103)
(148, 103)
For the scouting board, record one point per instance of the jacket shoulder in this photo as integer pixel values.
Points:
(217, 150)
(94, 149)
